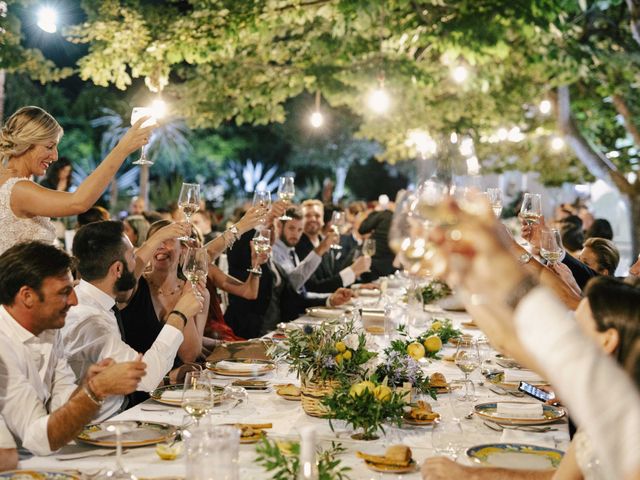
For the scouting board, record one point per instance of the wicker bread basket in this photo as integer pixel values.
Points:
(312, 395)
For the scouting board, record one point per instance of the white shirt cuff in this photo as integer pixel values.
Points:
(348, 276)
(37, 438)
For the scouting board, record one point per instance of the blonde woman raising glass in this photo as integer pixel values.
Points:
(28, 146)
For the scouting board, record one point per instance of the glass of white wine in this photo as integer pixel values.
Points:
(137, 114)
(196, 265)
(189, 202)
(369, 247)
(262, 199)
(467, 359)
(495, 199)
(286, 192)
(531, 209)
(337, 221)
(551, 245)
(261, 244)
(197, 395)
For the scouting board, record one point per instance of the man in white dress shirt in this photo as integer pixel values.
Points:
(42, 406)
(106, 263)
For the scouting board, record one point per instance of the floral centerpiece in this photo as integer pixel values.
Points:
(366, 405)
(434, 291)
(442, 328)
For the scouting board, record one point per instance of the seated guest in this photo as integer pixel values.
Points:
(600, 228)
(93, 330)
(137, 206)
(8, 450)
(572, 234)
(136, 228)
(378, 224)
(615, 327)
(203, 221)
(42, 406)
(94, 214)
(601, 255)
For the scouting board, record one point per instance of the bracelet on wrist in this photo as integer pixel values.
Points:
(178, 313)
(89, 392)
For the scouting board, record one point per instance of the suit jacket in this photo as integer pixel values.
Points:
(581, 272)
(379, 224)
(303, 247)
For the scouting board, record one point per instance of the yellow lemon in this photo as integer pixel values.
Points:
(436, 326)
(367, 385)
(169, 451)
(339, 358)
(347, 355)
(382, 393)
(356, 390)
(415, 350)
(340, 347)
(433, 343)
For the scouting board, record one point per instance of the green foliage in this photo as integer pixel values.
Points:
(435, 290)
(282, 458)
(446, 331)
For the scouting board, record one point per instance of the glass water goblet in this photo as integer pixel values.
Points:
(286, 192)
(495, 199)
(261, 245)
(197, 395)
(467, 359)
(337, 221)
(120, 472)
(551, 245)
(446, 438)
(531, 209)
(189, 202)
(369, 247)
(137, 114)
(196, 265)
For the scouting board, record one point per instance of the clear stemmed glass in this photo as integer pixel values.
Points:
(551, 245)
(189, 202)
(286, 192)
(531, 209)
(261, 244)
(337, 221)
(240, 398)
(137, 114)
(197, 395)
(196, 265)
(262, 198)
(467, 359)
(495, 199)
(369, 247)
(446, 438)
(120, 473)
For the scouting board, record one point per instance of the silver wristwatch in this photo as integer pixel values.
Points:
(524, 258)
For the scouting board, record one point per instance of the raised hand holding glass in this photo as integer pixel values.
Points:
(189, 202)
(286, 192)
(137, 114)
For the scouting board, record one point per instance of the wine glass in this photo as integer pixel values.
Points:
(195, 265)
(551, 245)
(467, 359)
(531, 209)
(120, 473)
(240, 398)
(197, 395)
(495, 199)
(189, 202)
(369, 247)
(262, 198)
(261, 244)
(137, 114)
(286, 192)
(337, 221)
(446, 437)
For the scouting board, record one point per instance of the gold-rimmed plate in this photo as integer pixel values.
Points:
(515, 455)
(133, 433)
(37, 475)
(244, 367)
(419, 423)
(325, 312)
(172, 394)
(382, 468)
(489, 411)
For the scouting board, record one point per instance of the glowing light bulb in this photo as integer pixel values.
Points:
(460, 74)
(466, 147)
(557, 144)
(316, 119)
(454, 137)
(379, 100)
(158, 108)
(47, 17)
(424, 144)
(544, 107)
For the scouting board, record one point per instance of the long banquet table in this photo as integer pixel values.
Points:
(288, 417)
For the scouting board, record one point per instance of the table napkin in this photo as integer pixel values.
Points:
(177, 394)
(519, 410)
(515, 376)
(239, 366)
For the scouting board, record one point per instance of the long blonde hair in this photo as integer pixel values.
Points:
(27, 127)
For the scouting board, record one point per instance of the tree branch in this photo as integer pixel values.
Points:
(634, 11)
(623, 110)
(302, 5)
(597, 163)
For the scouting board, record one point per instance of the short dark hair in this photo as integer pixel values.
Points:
(572, 237)
(293, 213)
(96, 246)
(600, 228)
(94, 214)
(28, 264)
(606, 253)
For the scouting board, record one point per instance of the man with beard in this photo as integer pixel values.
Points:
(93, 331)
(40, 403)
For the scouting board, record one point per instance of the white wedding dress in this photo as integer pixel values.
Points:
(15, 230)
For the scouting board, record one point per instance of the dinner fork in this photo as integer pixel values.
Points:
(523, 428)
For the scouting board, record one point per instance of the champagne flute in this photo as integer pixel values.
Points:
(551, 245)
(495, 199)
(137, 114)
(531, 209)
(121, 472)
(337, 221)
(286, 192)
(197, 395)
(467, 359)
(262, 199)
(261, 244)
(189, 202)
(196, 265)
(369, 247)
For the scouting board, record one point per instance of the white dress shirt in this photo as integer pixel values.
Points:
(6, 439)
(39, 381)
(602, 397)
(91, 334)
(299, 271)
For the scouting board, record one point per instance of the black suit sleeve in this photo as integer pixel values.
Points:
(370, 223)
(581, 272)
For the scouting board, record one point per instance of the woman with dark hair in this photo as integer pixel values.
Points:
(600, 228)
(601, 255)
(136, 228)
(58, 176)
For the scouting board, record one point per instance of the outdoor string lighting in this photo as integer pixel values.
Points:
(423, 143)
(378, 100)
(158, 108)
(545, 107)
(47, 17)
(557, 144)
(460, 74)
(316, 119)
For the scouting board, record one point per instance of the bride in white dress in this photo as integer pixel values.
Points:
(28, 146)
